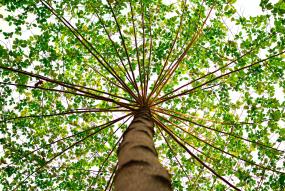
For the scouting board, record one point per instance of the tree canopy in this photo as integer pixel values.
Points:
(73, 72)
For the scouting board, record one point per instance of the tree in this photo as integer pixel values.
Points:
(81, 80)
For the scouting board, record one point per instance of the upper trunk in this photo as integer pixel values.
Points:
(138, 166)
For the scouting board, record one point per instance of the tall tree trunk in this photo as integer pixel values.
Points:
(138, 166)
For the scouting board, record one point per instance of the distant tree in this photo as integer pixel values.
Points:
(190, 94)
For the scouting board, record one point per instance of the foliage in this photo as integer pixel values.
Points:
(73, 72)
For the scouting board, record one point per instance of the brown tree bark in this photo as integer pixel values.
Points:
(138, 166)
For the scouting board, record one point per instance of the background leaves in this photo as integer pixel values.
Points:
(231, 119)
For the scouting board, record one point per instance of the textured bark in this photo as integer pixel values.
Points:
(138, 166)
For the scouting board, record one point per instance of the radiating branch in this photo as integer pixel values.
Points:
(89, 47)
(143, 52)
(67, 85)
(123, 43)
(120, 58)
(184, 117)
(103, 126)
(58, 154)
(218, 69)
(230, 154)
(150, 52)
(46, 89)
(105, 77)
(174, 154)
(111, 179)
(159, 123)
(172, 69)
(136, 45)
(186, 142)
(216, 78)
(70, 112)
(106, 159)
(158, 80)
